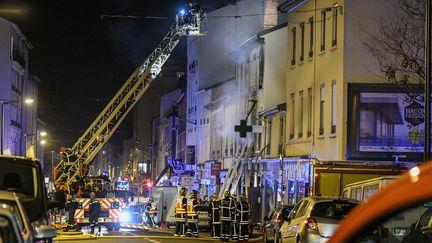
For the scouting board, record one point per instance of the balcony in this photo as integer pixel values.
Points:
(18, 58)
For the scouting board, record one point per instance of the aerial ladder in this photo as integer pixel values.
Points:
(235, 172)
(76, 161)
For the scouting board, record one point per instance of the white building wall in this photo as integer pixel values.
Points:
(13, 83)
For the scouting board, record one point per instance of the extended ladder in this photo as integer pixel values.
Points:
(235, 172)
(76, 161)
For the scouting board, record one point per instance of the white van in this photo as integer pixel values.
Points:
(400, 226)
(362, 190)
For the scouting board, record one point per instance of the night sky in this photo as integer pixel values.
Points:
(82, 57)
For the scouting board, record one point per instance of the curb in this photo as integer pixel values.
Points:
(92, 237)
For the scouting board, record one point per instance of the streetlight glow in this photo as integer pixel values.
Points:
(43, 134)
(43, 142)
(29, 100)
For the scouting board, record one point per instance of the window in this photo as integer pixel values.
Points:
(321, 112)
(311, 36)
(309, 130)
(292, 116)
(334, 26)
(323, 30)
(293, 32)
(333, 118)
(300, 124)
(302, 32)
(302, 209)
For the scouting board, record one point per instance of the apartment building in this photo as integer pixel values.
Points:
(20, 131)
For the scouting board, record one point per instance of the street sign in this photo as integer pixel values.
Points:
(414, 113)
(187, 181)
(243, 128)
(215, 169)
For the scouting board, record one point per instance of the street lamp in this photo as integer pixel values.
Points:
(8, 102)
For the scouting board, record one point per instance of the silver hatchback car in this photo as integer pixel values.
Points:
(314, 219)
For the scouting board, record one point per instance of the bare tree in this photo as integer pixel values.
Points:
(399, 45)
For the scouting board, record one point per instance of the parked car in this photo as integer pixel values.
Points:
(274, 221)
(14, 222)
(412, 191)
(24, 176)
(314, 219)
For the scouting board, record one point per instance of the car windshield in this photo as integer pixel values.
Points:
(334, 209)
(20, 178)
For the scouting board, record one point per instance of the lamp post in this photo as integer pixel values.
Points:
(3, 103)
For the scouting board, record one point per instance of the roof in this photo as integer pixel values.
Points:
(9, 196)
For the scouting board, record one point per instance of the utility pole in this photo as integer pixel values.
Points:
(427, 130)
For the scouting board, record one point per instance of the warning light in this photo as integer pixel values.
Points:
(149, 184)
(182, 12)
(317, 174)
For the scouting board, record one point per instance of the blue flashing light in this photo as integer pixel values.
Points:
(182, 12)
(125, 216)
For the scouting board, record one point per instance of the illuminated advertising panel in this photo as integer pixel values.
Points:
(385, 122)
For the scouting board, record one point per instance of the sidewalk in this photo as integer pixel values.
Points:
(205, 235)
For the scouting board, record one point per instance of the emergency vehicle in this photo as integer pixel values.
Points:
(110, 216)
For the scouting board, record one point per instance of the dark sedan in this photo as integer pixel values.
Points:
(273, 222)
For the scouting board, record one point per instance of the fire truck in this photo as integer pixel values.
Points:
(74, 166)
(112, 203)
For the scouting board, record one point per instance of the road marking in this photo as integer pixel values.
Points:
(154, 241)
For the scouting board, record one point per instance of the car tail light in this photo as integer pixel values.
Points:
(312, 223)
(280, 222)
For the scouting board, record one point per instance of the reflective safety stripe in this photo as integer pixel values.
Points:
(191, 207)
(179, 206)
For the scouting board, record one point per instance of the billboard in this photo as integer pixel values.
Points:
(385, 123)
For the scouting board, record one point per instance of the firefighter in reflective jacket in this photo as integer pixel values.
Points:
(214, 214)
(227, 209)
(94, 212)
(243, 211)
(180, 212)
(192, 213)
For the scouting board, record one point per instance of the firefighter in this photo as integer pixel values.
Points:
(94, 212)
(192, 213)
(234, 216)
(227, 209)
(151, 212)
(214, 214)
(180, 212)
(71, 206)
(243, 210)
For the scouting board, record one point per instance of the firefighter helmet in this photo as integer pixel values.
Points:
(183, 191)
(226, 194)
(194, 193)
(234, 196)
(243, 197)
(215, 197)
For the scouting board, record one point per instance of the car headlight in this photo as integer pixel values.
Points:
(125, 216)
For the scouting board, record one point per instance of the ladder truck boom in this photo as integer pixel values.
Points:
(76, 161)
